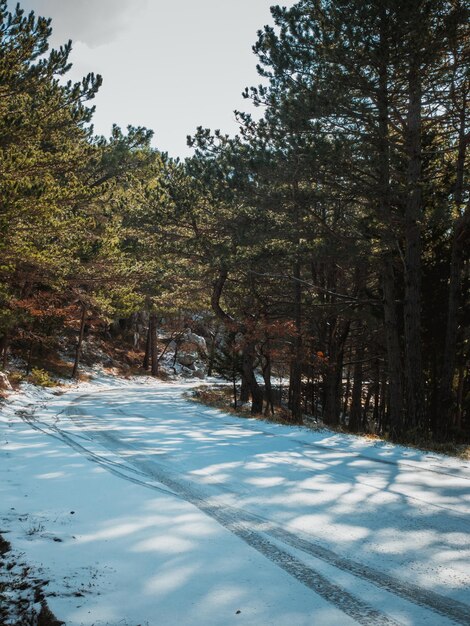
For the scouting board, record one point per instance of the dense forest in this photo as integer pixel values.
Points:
(327, 243)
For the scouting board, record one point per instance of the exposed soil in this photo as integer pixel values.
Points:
(22, 601)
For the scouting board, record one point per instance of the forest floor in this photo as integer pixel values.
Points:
(125, 504)
(221, 397)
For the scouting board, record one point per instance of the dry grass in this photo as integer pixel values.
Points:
(222, 398)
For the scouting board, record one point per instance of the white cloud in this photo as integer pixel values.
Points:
(170, 65)
(92, 22)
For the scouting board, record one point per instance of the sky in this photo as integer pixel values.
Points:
(169, 65)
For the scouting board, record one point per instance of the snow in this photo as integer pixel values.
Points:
(143, 508)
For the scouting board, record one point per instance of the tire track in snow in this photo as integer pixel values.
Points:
(329, 468)
(451, 609)
(255, 530)
(349, 453)
(236, 521)
(243, 524)
(305, 444)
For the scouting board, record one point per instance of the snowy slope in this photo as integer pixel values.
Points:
(143, 508)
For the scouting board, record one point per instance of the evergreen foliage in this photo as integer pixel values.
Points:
(329, 238)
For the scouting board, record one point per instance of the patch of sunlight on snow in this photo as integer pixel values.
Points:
(388, 542)
(197, 529)
(216, 466)
(215, 479)
(257, 465)
(169, 581)
(165, 545)
(51, 475)
(27, 446)
(121, 530)
(222, 595)
(307, 522)
(452, 556)
(268, 481)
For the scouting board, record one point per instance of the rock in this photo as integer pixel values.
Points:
(186, 359)
(185, 371)
(197, 340)
(200, 372)
(4, 382)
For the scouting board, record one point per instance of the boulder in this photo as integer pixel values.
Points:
(197, 340)
(186, 372)
(186, 359)
(200, 372)
(4, 382)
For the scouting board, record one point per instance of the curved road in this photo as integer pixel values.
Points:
(380, 534)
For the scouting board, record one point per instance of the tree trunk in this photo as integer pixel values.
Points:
(334, 377)
(392, 333)
(416, 412)
(30, 357)
(268, 391)
(210, 368)
(295, 382)
(460, 240)
(356, 402)
(153, 345)
(376, 416)
(394, 365)
(146, 361)
(249, 378)
(347, 390)
(4, 350)
(79, 343)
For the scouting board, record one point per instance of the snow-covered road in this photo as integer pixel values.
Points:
(144, 508)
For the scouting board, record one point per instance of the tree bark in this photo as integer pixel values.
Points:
(392, 333)
(249, 378)
(355, 419)
(268, 390)
(79, 343)
(394, 363)
(460, 241)
(295, 382)
(146, 361)
(153, 345)
(4, 350)
(334, 377)
(210, 368)
(416, 411)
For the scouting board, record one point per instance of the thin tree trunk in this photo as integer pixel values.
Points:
(153, 345)
(4, 350)
(365, 410)
(268, 391)
(146, 361)
(394, 364)
(295, 382)
(79, 343)
(212, 352)
(234, 389)
(248, 376)
(356, 403)
(376, 417)
(30, 357)
(347, 391)
(334, 378)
